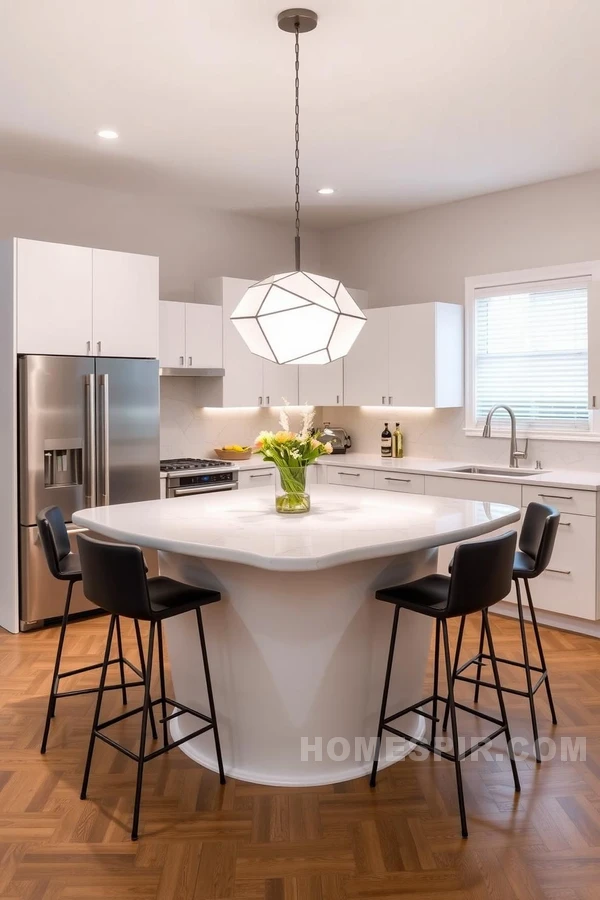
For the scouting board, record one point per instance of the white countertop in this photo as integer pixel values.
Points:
(558, 478)
(344, 525)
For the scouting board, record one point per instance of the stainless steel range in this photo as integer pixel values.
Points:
(198, 476)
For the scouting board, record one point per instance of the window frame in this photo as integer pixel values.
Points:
(524, 276)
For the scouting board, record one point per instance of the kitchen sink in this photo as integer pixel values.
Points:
(496, 470)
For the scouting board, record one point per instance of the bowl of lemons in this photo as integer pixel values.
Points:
(231, 452)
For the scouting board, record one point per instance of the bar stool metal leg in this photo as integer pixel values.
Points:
(121, 665)
(436, 678)
(142, 749)
(55, 674)
(459, 640)
(138, 636)
(501, 704)
(386, 688)
(538, 641)
(88, 762)
(455, 742)
(211, 702)
(531, 698)
(479, 663)
(163, 684)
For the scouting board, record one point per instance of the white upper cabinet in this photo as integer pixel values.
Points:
(366, 367)
(77, 301)
(54, 298)
(125, 304)
(407, 356)
(280, 383)
(191, 336)
(426, 355)
(171, 334)
(203, 336)
(322, 385)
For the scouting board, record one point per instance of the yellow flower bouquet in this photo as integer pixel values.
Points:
(292, 452)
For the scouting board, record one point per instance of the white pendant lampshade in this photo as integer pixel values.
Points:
(298, 317)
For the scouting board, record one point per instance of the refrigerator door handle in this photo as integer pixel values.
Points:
(105, 440)
(90, 441)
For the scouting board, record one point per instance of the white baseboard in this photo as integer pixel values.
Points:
(550, 619)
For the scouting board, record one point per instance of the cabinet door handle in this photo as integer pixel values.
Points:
(390, 400)
(89, 347)
(337, 399)
(260, 403)
(559, 571)
(189, 360)
(556, 496)
(99, 346)
(383, 401)
(404, 480)
(262, 475)
(593, 401)
(181, 361)
(565, 524)
(268, 400)
(350, 474)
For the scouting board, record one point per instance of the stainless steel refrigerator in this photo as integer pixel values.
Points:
(88, 436)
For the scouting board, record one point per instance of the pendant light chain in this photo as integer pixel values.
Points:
(297, 151)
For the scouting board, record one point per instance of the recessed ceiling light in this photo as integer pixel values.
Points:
(108, 134)
(326, 191)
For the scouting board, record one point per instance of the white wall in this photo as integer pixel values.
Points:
(193, 244)
(426, 255)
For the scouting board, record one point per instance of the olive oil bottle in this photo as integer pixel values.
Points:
(397, 442)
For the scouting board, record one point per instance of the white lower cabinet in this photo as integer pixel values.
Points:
(255, 478)
(399, 481)
(568, 586)
(350, 477)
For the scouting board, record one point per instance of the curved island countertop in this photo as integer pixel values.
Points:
(345, 525)
(298, 643)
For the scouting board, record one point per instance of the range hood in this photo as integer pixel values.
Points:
(192, 372)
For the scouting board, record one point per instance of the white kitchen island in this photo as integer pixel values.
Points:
(298, 644)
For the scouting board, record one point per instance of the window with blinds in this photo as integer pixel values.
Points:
(531, 352)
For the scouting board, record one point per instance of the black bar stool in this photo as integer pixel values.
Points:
(481, 576)
(536, 543)
(115, 579)
(65, 566)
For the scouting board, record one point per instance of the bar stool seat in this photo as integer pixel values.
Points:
(172, 598)
(428, 595)
(115, 579)
(481, 576)
(524, 565)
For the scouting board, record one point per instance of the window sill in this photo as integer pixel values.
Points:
(522, 433)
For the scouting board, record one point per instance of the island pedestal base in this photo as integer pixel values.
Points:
(298, 662)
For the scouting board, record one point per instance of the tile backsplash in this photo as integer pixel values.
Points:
(438, 434)
(187, 429)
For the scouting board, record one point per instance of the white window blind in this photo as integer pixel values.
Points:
(531, 352)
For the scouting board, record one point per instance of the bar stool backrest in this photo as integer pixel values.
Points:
(54, 538)
(481, 574)
(538, 535)
(114, 577)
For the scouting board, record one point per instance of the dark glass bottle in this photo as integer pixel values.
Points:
(386, 442)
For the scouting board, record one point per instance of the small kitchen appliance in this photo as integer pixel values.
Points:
(337, 436)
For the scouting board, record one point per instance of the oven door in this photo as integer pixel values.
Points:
(200, 489)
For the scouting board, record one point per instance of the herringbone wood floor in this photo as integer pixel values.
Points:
(334, 843)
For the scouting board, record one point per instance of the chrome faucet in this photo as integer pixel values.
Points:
(515, 453)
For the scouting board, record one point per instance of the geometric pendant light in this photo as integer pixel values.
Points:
(298, 317)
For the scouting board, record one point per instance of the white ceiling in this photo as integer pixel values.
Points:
(405, 103)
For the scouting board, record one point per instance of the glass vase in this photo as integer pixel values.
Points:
(291, 494)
